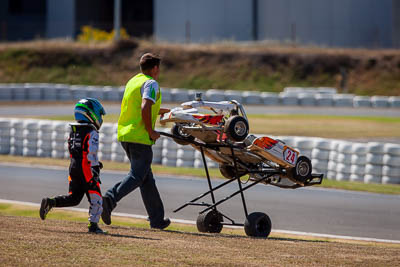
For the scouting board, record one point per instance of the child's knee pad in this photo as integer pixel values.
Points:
(96, 207)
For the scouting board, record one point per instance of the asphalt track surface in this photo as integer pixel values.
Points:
(314, 210)
(45, 109)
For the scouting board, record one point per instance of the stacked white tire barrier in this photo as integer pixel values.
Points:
(6, 92)
(17, 137)
(374, 164)
(394, 101)
(215, 95)
(179, 95)
(112, 94)
(198, 161)
(306, 99)
(380, 101)
(324, 100)
(157, 150)
(251, 98)
(63, 92)
(333, 159)
(166, 95)
(185, 156)
(358, 162)
(44, 144)
(117, 151)
(59, 139)
(362, 101)
(304, 145)
(391, 164)
(31, 137)
(234, 95)
(169, 152)
(5, 136)
(270, 99)
(343, 167)
(106, 137)
(371, 162)
(343, 100)
(291, 96)
(320, 156)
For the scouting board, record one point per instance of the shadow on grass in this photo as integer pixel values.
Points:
(132, 236)
(233, 236)
(105, 235)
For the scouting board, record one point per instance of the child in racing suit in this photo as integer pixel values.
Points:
(84, 169)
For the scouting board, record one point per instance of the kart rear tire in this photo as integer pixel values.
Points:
(302, 170)
(236, 128)
(175, 130)
(258, 224)
(210, 222)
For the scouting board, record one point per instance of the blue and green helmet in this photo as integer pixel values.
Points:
(89, 110)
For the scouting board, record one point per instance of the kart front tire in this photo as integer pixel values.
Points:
(258, 224)
(236, 128)
(302, 170)
(176, 130)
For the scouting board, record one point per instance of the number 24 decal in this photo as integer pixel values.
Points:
(290, 156)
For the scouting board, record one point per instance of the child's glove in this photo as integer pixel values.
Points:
(96, 174)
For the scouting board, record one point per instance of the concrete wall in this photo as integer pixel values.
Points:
(356, 23)
(60, 19)
(202, 21)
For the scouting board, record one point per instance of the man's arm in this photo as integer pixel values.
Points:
(163, 110)
(146, 116)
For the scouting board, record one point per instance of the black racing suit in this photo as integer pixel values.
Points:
(84, 170)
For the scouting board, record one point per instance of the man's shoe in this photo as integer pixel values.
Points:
(106, 213)
(46, 205)
(94, 228)
(164, 224)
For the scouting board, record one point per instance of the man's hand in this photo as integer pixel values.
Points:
(154, 135)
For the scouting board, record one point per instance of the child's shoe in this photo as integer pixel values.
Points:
(46, 205)
(94, 228)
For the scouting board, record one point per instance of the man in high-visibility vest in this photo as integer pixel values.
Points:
(141, 104)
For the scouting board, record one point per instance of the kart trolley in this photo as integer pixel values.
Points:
(257, 224)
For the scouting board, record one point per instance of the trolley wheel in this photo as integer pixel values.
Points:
(236, 128)
(209, 222)
(258, 224)
(302, 170)
(177, 131)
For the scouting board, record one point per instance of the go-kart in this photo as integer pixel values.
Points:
(228, 122)
(223, 137)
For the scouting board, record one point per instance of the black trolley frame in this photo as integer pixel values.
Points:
(213, 206)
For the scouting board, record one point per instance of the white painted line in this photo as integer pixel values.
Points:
(136, 216)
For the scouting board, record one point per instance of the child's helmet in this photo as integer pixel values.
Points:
(89, 110)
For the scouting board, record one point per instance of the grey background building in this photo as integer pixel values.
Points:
(35, 19)
(331, 23)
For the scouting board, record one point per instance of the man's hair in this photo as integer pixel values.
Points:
(148, 61)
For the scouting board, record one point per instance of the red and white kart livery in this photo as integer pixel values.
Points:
(224, 138)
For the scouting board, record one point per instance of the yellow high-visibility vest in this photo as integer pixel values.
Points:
(130, 124)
